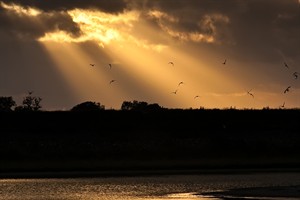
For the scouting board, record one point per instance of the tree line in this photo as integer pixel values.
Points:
(29, 103)
(33, 103)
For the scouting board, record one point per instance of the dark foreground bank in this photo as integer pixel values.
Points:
(277, 192)
(118, 141)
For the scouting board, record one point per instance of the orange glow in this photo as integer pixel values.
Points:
(143, 72)
(140, 55)
(89, 83)
(97, 26)
(151, 66)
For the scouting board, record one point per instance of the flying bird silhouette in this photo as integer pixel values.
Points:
(180, 83)
(286, 65)
(175, 92)
(110, 66)
(92, 65)
(112, 81)
(295, 74)
(287, 89)
(196, 96)
(171, 63)
(224, 63)
(251, 94)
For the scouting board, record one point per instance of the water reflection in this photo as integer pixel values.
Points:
(138, 188)
(187, 196)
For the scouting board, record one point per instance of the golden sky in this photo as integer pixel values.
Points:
(50, 48)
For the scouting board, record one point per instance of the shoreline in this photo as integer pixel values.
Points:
(267, 193)
(139, 173)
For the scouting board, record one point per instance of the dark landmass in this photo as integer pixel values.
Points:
(258, 192)
(116, 141)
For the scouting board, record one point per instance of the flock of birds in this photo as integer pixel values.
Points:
(110, 66)
(180, 83)
(295, 75)
(287, 89)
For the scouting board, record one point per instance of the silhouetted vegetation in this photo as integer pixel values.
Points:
(88, 106)
(134, 137)
(30, 103)
(6, 103)
(140, 106)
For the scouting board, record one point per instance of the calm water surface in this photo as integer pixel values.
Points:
(181, 187)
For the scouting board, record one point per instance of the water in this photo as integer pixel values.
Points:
(173, 187)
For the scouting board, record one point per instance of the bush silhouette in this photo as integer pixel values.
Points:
(88, 106)
(30, 103)
(139, 106)
(6, 103)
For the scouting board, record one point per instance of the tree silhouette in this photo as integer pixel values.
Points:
(139, 106)
(6, 103)
(30, 103)
(134, 105)
(126, 105)
(88, 106)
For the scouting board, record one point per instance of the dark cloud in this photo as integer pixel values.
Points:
(287, 32)
(259, 35)
(60, 21)
(33, 27)
(53, 16)
(58, 5)
(253, 26)
(256, 29)
(205, 19)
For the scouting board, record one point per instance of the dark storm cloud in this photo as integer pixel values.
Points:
(53, 16)
(288, 31)
(25, 26)
(205, 17)
(50, 5)
(256, 29)
(259, 32)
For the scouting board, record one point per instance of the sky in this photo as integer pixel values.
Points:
(68, 51)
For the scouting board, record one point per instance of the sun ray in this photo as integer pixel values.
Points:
(142, 71)
(87, 82)
(149, 72)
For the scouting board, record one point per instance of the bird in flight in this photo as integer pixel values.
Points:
(175, 92)
(287, 89)
(112, 81)
(110, 66)
(224, 63)
(197, 96)
(286, 65)
(295, 74)
(251, 94)
(171, 63)
(92, 65)
(180, 83)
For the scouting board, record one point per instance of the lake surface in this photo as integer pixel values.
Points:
(168, 187)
